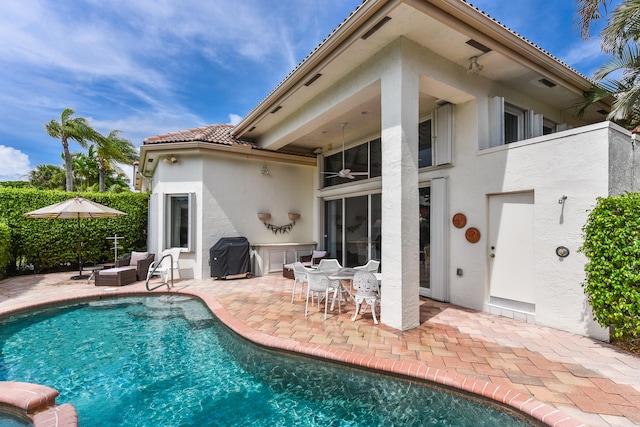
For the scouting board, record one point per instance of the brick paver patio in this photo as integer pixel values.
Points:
(561, 378)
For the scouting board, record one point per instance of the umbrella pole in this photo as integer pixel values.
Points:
(80, 276)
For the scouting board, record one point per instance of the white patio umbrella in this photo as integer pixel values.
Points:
(76, 208)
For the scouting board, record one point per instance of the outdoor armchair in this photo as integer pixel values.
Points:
(140, 260)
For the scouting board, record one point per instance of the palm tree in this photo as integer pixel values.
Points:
(69, 128)
(623, 25)
(47, 177)
(110, 150)
(85, 170)
(620, 38)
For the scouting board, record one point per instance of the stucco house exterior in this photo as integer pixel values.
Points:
(471, 175)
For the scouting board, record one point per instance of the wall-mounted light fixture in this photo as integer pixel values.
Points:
(562, 251)
(562, 199)
(474, 67)
(265, 170)
(170, 159)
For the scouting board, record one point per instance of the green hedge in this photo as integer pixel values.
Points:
(5, 248)
(41, 245)
(612, 247)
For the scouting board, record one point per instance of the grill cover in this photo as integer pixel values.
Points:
(230, 256)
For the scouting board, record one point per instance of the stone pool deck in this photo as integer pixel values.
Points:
(560, 378)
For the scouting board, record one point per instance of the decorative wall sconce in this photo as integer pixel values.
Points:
(294, 217)
(265, 216)
(171, 159)
(265, 170)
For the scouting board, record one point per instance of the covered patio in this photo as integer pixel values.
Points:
(562, 378)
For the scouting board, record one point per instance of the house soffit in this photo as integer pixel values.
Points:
(442, 27)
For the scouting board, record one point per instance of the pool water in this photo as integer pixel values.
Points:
(167, 361)
(8, 419)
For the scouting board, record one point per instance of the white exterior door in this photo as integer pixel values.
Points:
(511, 244)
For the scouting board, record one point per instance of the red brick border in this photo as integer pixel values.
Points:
(38, 402)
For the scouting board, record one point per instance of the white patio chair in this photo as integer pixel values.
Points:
(365, 289)
(329, 265)
(318, 283)
(299, 275)
(164, 265)
(371, 265)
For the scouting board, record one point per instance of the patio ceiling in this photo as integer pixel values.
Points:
(441, 26)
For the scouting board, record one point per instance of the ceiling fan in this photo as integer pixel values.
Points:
(344, 172)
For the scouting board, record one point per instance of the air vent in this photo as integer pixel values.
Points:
(482, 48)
(547, 83)
(375, 27)
(276, 109)
(313, 79)
(252, 129)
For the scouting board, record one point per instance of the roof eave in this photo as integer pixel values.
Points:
(300, 74)
(488, 31)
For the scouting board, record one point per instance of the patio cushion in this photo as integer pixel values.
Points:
(318, 254)
(137, 256)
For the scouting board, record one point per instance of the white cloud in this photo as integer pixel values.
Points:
(587, 55)
(234, 119)
(15, 164)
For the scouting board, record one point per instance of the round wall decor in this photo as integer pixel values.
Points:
(472, 234)
(459, 220)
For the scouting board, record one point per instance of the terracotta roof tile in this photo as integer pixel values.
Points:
(216, 134)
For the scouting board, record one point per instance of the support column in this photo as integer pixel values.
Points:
(400, 226)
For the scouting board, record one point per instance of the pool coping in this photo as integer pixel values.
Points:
(516, 400)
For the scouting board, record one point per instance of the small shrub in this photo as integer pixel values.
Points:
(612, 246)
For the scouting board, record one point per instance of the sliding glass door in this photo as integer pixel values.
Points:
(353, 229)
(425, 238)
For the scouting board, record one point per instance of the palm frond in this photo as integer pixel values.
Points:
(589, 11)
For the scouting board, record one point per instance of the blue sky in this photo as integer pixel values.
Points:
(147, 67)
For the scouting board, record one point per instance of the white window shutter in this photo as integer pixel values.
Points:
(192, 213)
(443, 135)
(496, 121)
(152, 226)
(440, 225)
(533, 124)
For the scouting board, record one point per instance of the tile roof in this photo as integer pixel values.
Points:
(216, 134)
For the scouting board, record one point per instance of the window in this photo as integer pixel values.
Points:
(513, 124)
(509, 123)
(548, 127)
(179, 212)
(365, 160)
(424, 144)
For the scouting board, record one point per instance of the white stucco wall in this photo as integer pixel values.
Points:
(230, 191)
(573, 163)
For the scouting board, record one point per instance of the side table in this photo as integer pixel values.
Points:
(93, 272)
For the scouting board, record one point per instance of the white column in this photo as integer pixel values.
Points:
(400, 226)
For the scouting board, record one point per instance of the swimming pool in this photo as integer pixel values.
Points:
(9, 419)
(165, 360)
